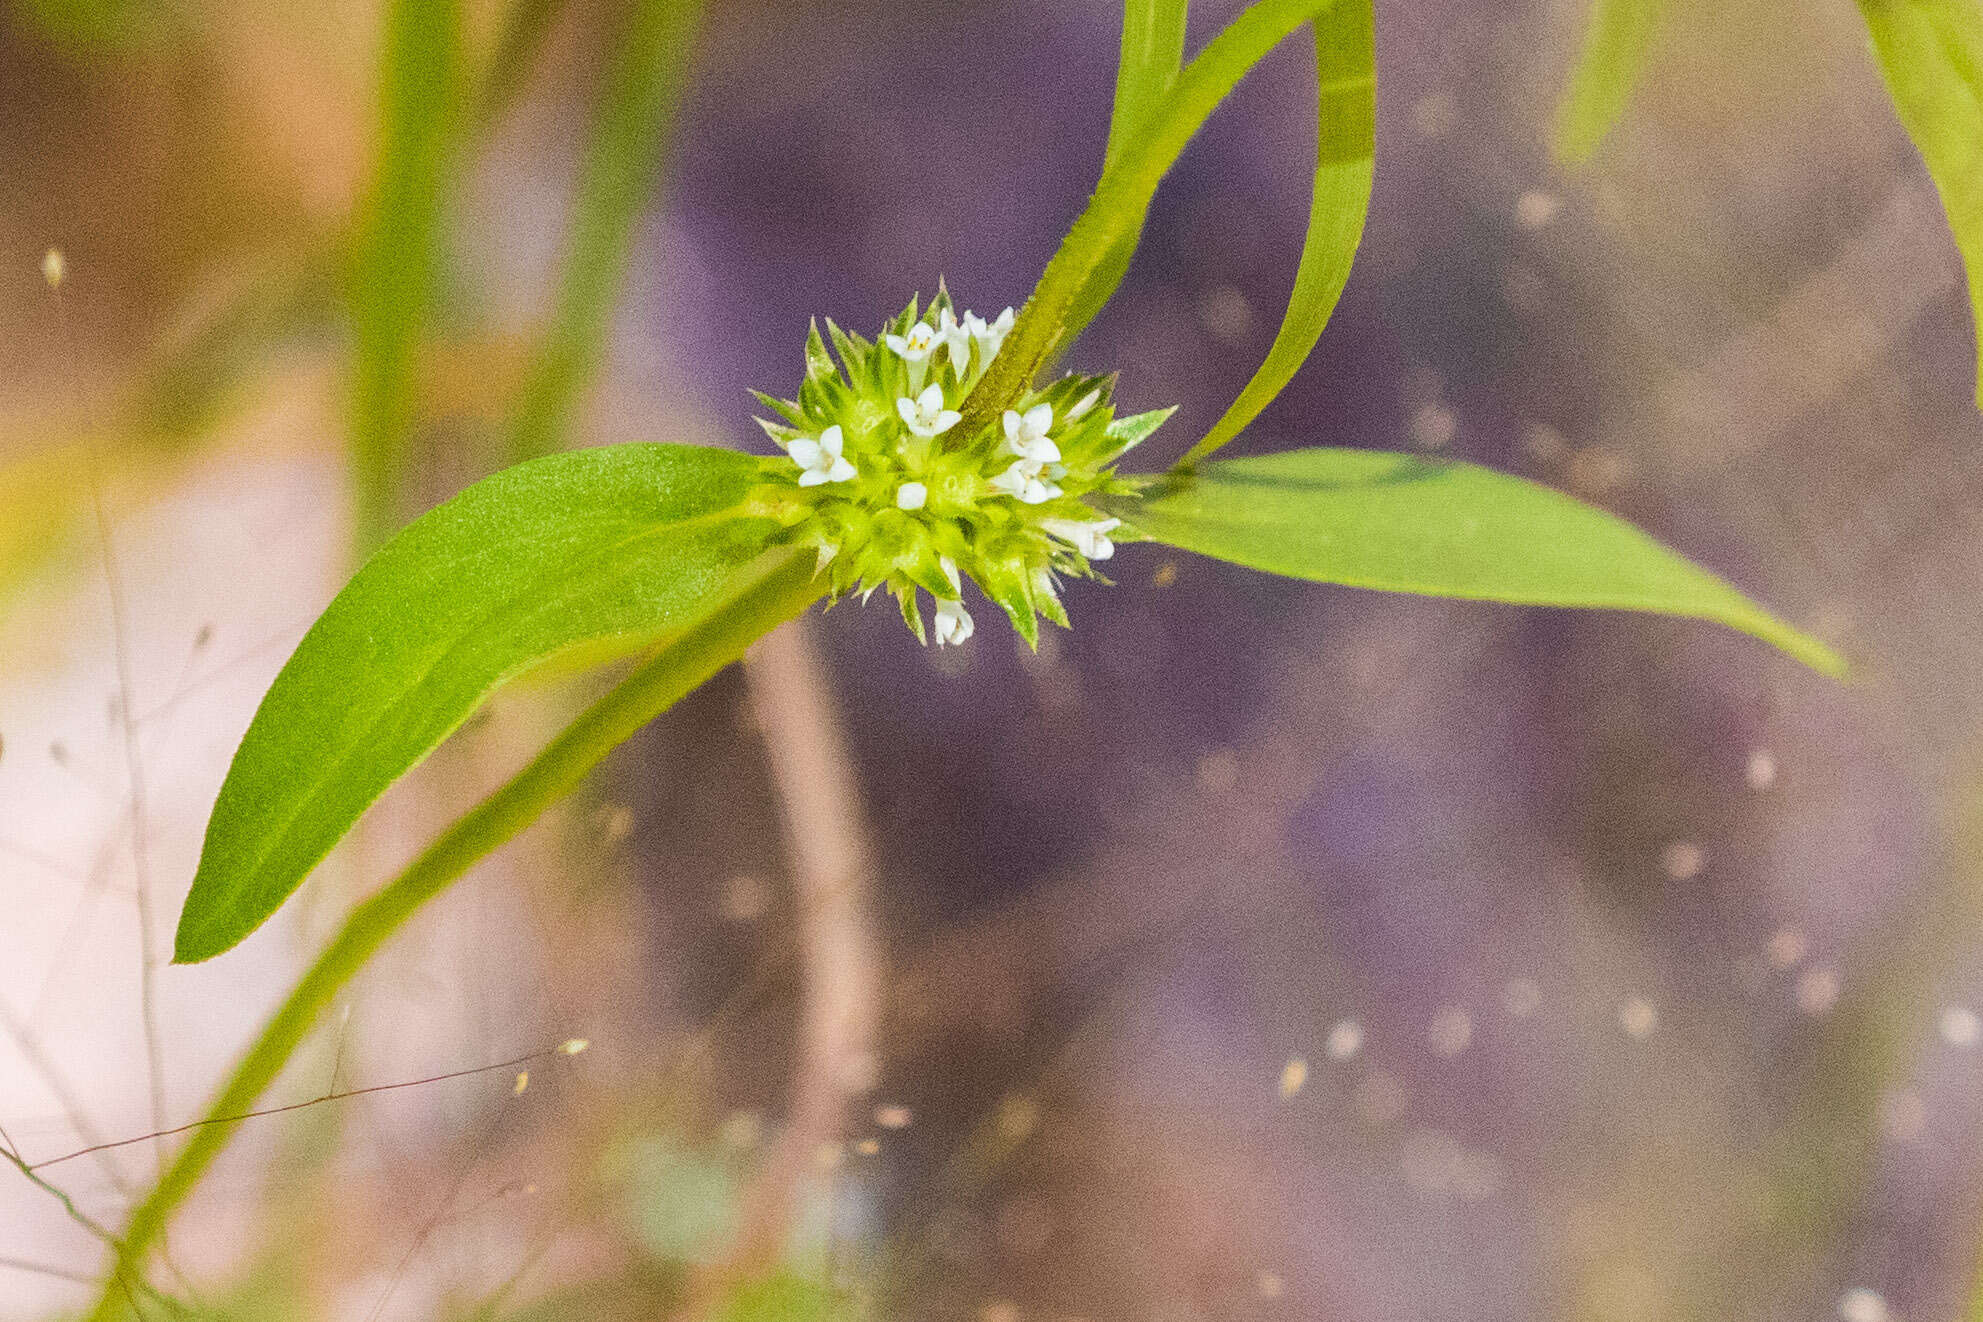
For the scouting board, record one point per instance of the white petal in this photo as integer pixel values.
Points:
(896, 342)
(930, 401)
(945, 421)
(1039, 419)
(840, 472)
(907, 408)
(1012, 424)
(805, 452)
(1043, 451)
(812, 477)
(953, 623)
(1012, 482)
(911, 496)
(832, 440)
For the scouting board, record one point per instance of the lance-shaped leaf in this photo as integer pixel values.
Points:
(1114, 215)
(1931, 52)
(1345, 162)
(1401, 523)
(1152, 54)
(1616, 43)
(608, 550)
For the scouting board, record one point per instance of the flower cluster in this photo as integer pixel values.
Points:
(878, 477)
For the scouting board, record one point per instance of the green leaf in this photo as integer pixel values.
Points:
(1114, 215)
(397, 248)
(612, 550)
(1345, 163)
(1152, 54)
(1931, 52)
(1400, 523)
(1616, 44)
(629, 137)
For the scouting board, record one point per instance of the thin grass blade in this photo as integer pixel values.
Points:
(1931, 52)
(1616, 43)
(1345, 164)
(622, 168)
(397, 253)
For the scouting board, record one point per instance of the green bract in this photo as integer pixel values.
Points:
(879, 479)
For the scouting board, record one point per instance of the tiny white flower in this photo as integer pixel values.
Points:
(820, 460)
(989, 336)
(1081, 406)
(1090, 538)
(953, 623)
(911, 496)
(1026, 434)
(956, 340)
(1023, 483)
(925, 415)
(916, 345)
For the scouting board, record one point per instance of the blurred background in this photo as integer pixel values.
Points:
(1257, 950)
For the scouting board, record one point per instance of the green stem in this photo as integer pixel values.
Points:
(622, 167)
(1123, 196)
(785, 586)
(396, 254)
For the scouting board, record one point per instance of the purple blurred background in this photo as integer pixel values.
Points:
(1256, 949)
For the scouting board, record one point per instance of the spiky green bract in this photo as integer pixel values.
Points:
(879, 480)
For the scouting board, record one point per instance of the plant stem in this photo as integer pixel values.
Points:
(784, 586)
(622, 167)
(397, 250)
(1123, 195)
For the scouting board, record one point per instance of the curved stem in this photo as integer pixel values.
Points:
(1123, 195)
(784, 587)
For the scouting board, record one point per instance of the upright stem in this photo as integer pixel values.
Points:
(1123, 195)
(784, 587)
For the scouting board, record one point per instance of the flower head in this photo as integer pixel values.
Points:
(821, 460)
(1089, 537)
(989, 337)
(925, 415)
(1026, 434)
(953, 623)
(893, 491)
(915, 346)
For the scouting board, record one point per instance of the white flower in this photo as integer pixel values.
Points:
(1090, 538)
(913, 348)
(925, 415)
(956, 340)
(820, 460)
(911, 496)
(953, 623)
(1022, 482)
(989, 337)
(1026, 435)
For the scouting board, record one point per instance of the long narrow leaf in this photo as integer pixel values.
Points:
(1152, 54)
(1345, 164)
(397, 248)
(1615, 46)
(628, 147)
(1400, 523)
(608, 550)
(1931, 52)
(1122, 198)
